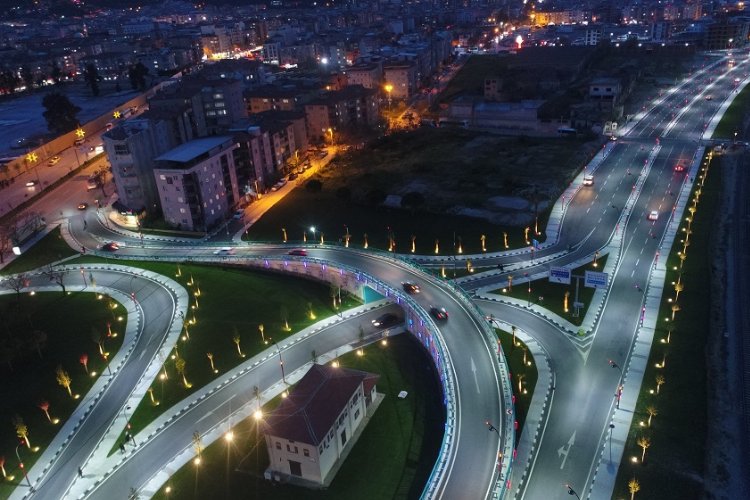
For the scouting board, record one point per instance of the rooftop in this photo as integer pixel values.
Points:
(313, 406)
(191, 150)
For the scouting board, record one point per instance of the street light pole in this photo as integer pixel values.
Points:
(20, 464)
(281, 361)
(618, 394)
(571, 491)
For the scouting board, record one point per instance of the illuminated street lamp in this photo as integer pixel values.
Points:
(388, 89)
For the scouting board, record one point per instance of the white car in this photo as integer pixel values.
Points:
(588, 180)
(653, 215)
(224, 251)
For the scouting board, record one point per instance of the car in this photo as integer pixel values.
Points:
(53, 161)
(30, 184)
(299, 252)
(410, 287)
(79, 142)
(439, 313)
(709, 97)
(653, 215)
(292, 176)
(83, 205)
(238, 214)
(588, 180)
(224, 251)
(110, 247)
(679, 167)
(385, 320)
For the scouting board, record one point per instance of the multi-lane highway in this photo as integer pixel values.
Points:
(638, 174)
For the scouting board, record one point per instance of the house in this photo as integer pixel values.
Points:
(605, 89)
(317, 424)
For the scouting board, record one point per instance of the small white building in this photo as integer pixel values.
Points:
(309, 431)
(605, 88)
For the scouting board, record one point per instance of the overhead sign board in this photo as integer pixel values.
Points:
(595, 280)
(559, 275)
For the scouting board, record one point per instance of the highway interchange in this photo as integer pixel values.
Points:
(637, 176)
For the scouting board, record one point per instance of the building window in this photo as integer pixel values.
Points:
(306, 452)
(169, 181)
(320, 449)
(356, 414)
(278, 445)
(182, 210)
(122, 149)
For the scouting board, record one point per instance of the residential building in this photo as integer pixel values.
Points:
(370, 76)
(307, 434)
(197, 183)
(727, 33)
(131, 148)
(403, 78)
(342, 110)
(605, 89)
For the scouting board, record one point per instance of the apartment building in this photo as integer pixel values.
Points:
(347, 109)
(197, 183)
(403, 78)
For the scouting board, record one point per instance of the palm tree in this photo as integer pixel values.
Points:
(678, 287)
(262, 329)
(2, 466)
(210, 357)
(659, 381)
(644, 442)
(197, 443)
(64, 379)
(97, 338)
(44, 406)
(513, 331)
(634, 487)
(84, 360)
(179, 364)
(675, 308)
(38, 340)
(652, 412)
(236, 339)
(285, 318)
(22, 431)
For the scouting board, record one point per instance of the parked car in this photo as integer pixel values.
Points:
(31, 184)
(299, 252)
(53, 161)
(238, 214)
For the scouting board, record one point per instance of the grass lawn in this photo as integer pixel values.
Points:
(456, 180)
(674, 462)
(50, 248)
(232, 301)
(731, 122)
(524, 373)
(29, 375)
(553, 294)
(395, 453)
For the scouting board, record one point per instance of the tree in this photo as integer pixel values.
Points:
(285, 318)
(644, 442)
(64, 379)
(652, 412)
(634, 487)
(37, 340)
(375, 197)
(137, 76)
(197, 443)
(57, 275)
(91, 75)
(44, 406)
(210, 357)
(10, 346)
(7, 233)
(97, 338)
(412, 200)
(16, 282)
(2, 466)
(236, 339)
(262, 329)
(179, 365)
(55, 73)
(675, 308)
(513, 331)
(659, 381)
(84, 360)
(344, 194)
(60, 113)
(28, 77)
(22, 430)
(678, 287)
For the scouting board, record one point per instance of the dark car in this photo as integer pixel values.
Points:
(83, 205)
(384, 320)
(439, 313)
(410, 288)
(300, 252)
(110, 247)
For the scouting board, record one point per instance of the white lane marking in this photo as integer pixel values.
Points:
(587, 210)
(632, 273)
(637, 261)
(474, 371)
(565, 449)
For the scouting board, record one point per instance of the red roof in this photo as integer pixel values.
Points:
(311, 409)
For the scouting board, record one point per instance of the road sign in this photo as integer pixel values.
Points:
(595, 280)
(559, 275)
